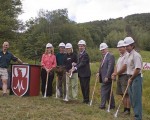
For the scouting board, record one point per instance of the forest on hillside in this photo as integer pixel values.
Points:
(29, 39)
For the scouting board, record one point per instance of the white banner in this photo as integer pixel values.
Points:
(146, 66)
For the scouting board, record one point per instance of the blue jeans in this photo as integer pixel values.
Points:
(135, 94)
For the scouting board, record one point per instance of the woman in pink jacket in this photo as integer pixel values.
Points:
(48, 62)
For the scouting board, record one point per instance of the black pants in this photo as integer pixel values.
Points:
(85, 87)
(50, 81)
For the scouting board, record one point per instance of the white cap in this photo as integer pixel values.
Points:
(81, 42)
(103, 46)
(49, 45)
(120, 43)
(128, 41)
(68, 45)
(61, 44)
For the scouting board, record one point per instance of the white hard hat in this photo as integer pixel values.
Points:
(68, 45)
(128, 41)
(120, 43)
(81, 42)
(49, 45)
(61, 44)
(103, 46)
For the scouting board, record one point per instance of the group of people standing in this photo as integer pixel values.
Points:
(128, 70)
(70, 66)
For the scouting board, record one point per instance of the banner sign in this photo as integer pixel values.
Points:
(146, 66)
(20, 79)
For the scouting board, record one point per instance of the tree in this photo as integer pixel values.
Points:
(113, 37)
(9, 11)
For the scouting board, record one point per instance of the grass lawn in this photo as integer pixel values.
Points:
(39, 108)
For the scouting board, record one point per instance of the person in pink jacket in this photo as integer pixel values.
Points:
(48, 62)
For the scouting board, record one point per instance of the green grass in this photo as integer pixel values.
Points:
(38, 108)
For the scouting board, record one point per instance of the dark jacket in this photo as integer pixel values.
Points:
(60, 59)
(106, 69)
(68, 60)
(83, 65)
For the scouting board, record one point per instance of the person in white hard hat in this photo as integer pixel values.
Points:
(70, 59)
(134, 70)
(84, 72)
(60, 70)
(105, 71)
(121, 72)
(48, 63)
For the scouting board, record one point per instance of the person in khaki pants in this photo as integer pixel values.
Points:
(70, 59)
(121, 72)
(5, 58)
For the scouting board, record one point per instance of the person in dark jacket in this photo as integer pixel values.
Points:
(84, 72)
(61, 74)
(105, 71)
(71, 77)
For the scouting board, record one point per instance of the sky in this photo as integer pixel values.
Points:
(86, 10)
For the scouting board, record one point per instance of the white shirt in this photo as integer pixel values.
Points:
(134, 61)
(122, 60)
(104, 59)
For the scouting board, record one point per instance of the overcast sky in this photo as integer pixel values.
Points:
(86, 10)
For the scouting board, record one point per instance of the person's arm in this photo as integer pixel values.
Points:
(111, 64)
(54, 62)
(138, 66)
(57, 58)
(19, 61)
(42, 63)
(124, 66)
(113, 76)
(122, 70)
(84, 61)
(15, 59)
(136, 72)
(75, 59)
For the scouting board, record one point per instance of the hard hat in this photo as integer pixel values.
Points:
(61, 44)
(120, 43)
(49, 45)
(128, 41)
(103, 46)
(81, 42)
(68, 45)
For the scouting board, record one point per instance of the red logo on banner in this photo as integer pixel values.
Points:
(20, 79)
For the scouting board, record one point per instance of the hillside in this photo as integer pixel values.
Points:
(55, 27)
